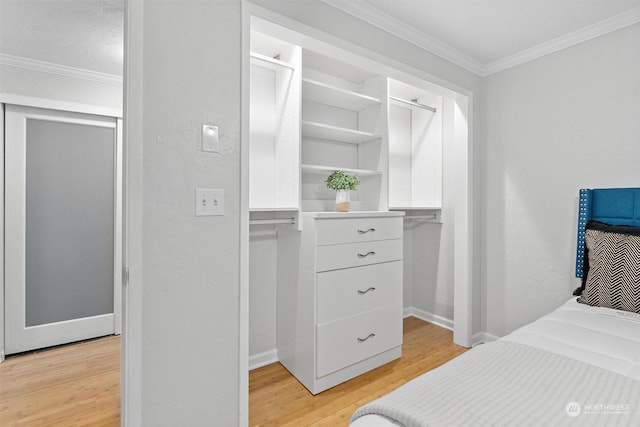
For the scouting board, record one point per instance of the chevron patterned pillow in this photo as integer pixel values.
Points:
(613, 278)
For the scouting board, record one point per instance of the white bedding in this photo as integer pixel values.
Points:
(606, 338)
(602, 337)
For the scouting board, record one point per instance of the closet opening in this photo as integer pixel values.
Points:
(316, 107)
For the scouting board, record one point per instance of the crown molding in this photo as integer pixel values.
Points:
(379, 19)
(583, 34)
(63, 70)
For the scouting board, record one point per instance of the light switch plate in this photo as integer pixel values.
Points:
(209, 202)
(210, 139)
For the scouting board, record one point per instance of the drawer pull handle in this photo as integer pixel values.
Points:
(366, 231)
(366, 255)
(371, 335)
(364, 292)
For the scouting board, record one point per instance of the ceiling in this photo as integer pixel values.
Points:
(483, 36)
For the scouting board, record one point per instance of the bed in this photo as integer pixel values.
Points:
(578, 365)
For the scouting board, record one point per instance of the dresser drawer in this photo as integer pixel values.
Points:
(349, 291)
(353, 339)
(351, 230)
(356, 254)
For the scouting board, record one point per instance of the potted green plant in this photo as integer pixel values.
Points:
(342, 183)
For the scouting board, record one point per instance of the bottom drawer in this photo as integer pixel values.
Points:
(353, 339)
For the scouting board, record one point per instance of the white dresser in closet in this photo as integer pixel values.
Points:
(339, 296)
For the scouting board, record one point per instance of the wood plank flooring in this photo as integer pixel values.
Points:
(277, 399)
(72, 385)
(79, 385)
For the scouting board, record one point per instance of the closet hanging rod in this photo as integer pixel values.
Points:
(425, 217)
(270, 60)
(413, 103)
(272, 221)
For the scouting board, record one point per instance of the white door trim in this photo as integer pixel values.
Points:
(243, 307)
(463, 239)
(54, 104)
(120, 240)
(2, 232)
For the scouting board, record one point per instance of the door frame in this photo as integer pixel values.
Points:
(1, 231)
(27, 101)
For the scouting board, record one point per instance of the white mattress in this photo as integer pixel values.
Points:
(603, 337)
(609, 339)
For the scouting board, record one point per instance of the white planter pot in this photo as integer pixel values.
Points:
(343, 201)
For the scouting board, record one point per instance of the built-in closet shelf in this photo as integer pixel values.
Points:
(331, 95)
(335, 133)
(321, 170)
(268, 62)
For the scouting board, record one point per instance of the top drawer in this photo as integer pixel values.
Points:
(352, 230)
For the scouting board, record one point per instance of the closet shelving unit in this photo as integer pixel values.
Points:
(312, 114)
(342, 129)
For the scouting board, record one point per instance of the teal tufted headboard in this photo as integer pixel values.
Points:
(616, 206)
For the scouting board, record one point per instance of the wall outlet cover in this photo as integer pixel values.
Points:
(209, 202)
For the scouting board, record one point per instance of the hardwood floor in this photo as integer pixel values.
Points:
(276, 398)
(73, 385)
(79, 385)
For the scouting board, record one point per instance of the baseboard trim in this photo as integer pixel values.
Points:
(443, 322)
(482, 338)
(477, 339)
(263, 359)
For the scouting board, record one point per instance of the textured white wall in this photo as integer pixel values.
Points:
(183, 346)
(566, 121)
